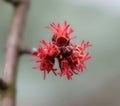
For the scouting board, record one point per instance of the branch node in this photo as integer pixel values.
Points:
(14, 2)
(3, 85)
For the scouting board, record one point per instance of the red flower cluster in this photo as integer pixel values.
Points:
(71, 57)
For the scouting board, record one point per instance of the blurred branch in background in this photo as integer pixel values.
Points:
(13, 51)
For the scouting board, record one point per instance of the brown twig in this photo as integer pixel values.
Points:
(26, 50)
(12, 52)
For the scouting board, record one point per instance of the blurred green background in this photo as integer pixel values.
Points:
(97, 21)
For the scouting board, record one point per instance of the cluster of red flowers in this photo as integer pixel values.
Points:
(71, 57)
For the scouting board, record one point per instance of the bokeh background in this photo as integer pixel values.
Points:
(97, 21)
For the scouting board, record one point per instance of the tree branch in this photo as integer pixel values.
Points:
(12, 52)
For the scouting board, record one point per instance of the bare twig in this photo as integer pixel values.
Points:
(12, 52)
(26, 50)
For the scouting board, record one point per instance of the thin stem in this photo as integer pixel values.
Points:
(26, 50)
